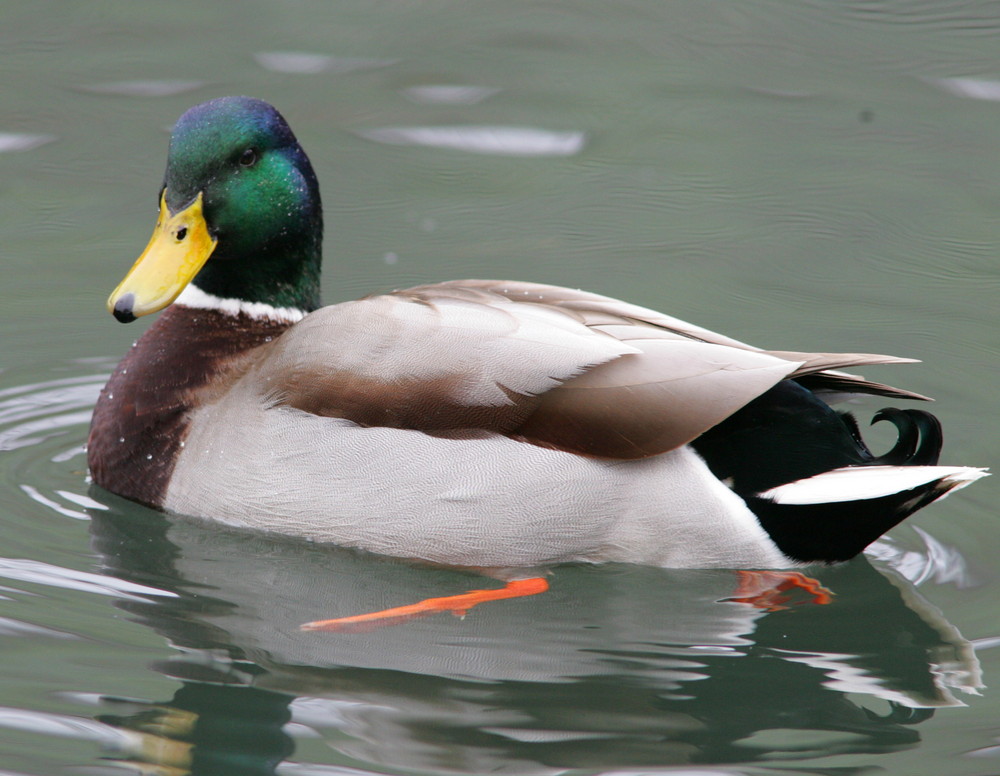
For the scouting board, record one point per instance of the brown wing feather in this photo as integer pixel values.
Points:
(647, 404)
(552, 366)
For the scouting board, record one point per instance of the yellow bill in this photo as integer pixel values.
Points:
(178, 249)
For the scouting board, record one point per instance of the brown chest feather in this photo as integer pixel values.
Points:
(141, 417)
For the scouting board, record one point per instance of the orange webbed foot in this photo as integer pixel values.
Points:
(458, 605)
(769, 590)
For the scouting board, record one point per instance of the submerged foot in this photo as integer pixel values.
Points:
(769, 590)
(458, 605)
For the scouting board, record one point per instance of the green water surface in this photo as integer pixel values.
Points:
(800, 175)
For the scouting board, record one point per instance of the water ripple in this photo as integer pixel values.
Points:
(306, 63)
(14, 141)
(934, 562)
(61, 725)
(496, 141)
(10, 627)
(144, 88)
(449, 94)
(44, 423)
(37, 572)
(973, 88)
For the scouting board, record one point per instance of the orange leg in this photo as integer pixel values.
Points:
(766, 589)
(456, 604)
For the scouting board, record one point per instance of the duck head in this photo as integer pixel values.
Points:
(240, 214)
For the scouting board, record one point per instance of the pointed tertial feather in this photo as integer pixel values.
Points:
(626, 322)
(836, 386)
(820, 362)
(861, 483)
(645, 404)
(820, 373)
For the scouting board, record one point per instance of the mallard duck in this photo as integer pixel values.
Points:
(490, 424)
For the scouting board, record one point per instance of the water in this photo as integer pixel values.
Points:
(798, 175)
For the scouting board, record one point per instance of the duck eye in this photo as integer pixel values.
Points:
(248, 158)
(181, 233)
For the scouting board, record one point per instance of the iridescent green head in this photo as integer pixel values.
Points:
(240, 214)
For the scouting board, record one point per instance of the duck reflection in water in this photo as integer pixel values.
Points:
(650, 667)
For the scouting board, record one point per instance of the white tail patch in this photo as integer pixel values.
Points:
(859, 483)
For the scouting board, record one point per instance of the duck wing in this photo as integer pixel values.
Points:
(550, 366)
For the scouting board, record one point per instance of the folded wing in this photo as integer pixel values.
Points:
(547, 365)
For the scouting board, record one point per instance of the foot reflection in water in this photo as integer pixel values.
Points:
(615, 667)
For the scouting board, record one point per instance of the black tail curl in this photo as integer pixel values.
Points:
(920, 438)
(832, 532)
(789, 434)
